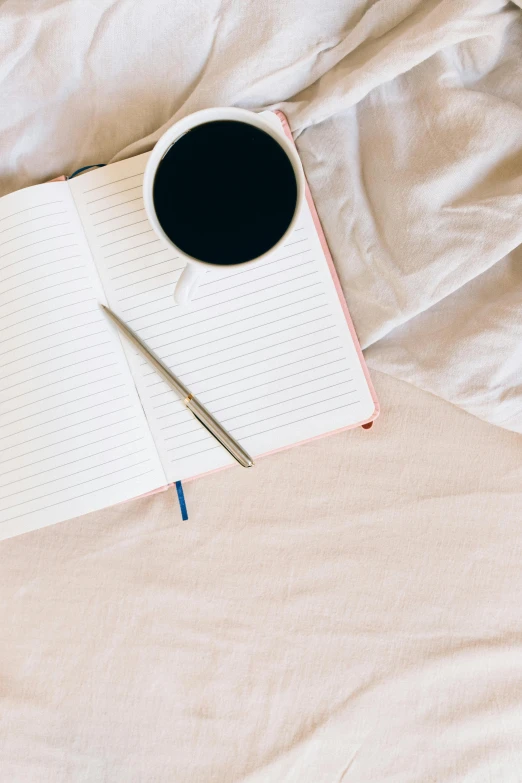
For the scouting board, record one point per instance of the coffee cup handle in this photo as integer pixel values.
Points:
(187, 284)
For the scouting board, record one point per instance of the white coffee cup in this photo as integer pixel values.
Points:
(195, 267)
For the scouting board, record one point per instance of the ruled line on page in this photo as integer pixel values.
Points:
(235, 430)
(53, 311)
(122, 444)
(170, 392)
(280, 389)
(320, 403)
(63, 389)
(161, 298)
(120, 228)
(179, 457)
(126, 249)
(129, 236)
(81, 495)
(48, 312)
(243, 331)
(37, 206)
(233, 395)
(294, 421)
(270, 275)
(146, 291)
(295, 242)
(244, 319)
(74, 437)
(110, 195)
(174, 449)
(113, 182)
(246, 366)
(43, 288)
(52, 299)
(41, 253)
(54, 372)
(74, 473)
(104, 209)
(61, 356)
(234, 384)
(38, 242)
(194, 370)
(34, 231)
(63, 416)
(248, 353)
(233, 309)
(31, 220)
(217, 315)
(241, 296)
(116, 217)
(152, 312)
(54, 346)
(150, 266)
(146, 279)
(60, 405)
(249, 270)
(62, 429)
(45, 337)
(35, 280)
(257, 409)
(181, 433)
(286, 364)
(151, 372)
(138, 258)
(40, 266)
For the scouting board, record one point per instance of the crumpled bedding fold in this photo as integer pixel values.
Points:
(408, 118)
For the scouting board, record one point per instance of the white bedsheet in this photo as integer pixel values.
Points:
(408, 117)
(349, 611)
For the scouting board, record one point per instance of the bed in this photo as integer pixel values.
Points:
(350, 611)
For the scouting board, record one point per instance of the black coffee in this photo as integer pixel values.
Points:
(225, 192)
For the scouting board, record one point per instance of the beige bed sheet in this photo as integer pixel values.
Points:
(350, 611)
(347, 611)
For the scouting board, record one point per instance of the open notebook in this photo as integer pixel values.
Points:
(85, 422)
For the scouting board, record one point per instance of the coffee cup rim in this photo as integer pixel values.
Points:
(201, 117)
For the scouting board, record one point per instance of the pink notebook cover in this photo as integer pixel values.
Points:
(366, 423)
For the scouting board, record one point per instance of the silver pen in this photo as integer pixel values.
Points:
(192, 403)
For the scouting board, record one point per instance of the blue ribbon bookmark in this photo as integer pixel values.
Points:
(86, 168)
(181, 499)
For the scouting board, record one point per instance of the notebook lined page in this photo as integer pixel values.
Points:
(74, 437)
(266, 348)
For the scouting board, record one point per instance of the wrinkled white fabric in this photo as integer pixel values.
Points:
(347, 612)
(408, 117)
